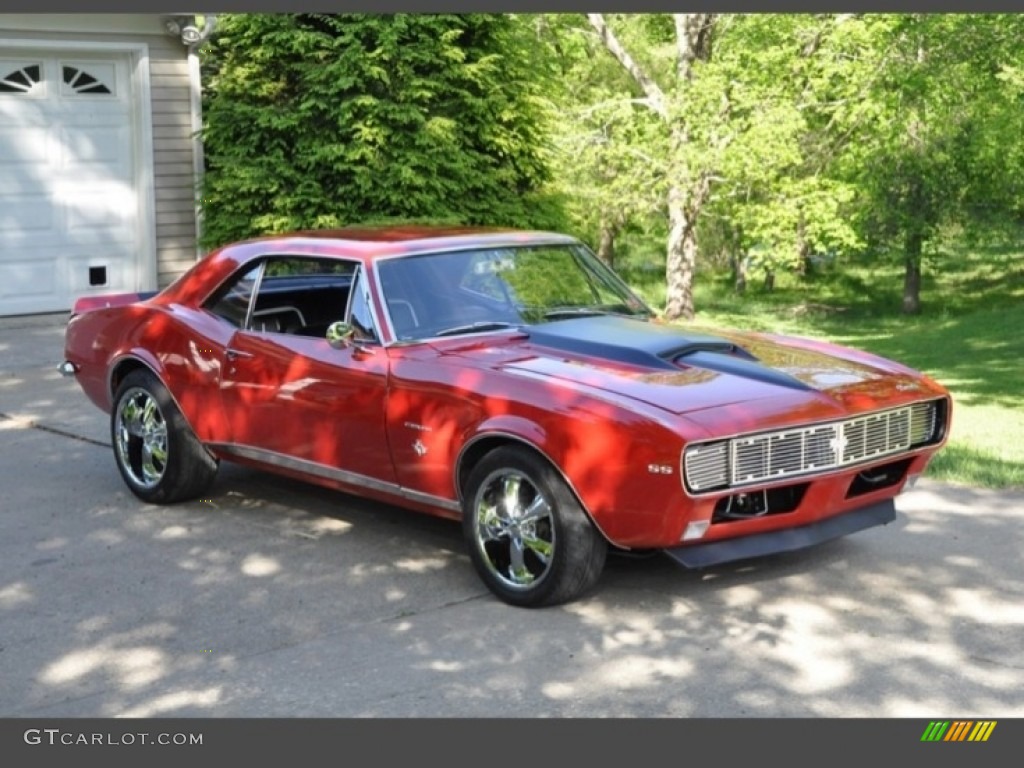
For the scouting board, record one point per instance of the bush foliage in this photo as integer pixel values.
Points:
(315, 121)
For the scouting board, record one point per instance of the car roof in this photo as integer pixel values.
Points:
(364, 243)
(370, 242)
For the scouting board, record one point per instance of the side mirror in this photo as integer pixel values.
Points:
(340, 334)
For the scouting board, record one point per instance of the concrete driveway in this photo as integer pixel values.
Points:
(277, 599)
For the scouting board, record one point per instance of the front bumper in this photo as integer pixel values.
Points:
(785, 540)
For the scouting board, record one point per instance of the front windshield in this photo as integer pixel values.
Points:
(442, 294)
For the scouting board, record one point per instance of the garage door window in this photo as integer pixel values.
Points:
(19, 78)
(97, 79)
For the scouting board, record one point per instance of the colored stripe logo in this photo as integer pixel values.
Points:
(958, 730)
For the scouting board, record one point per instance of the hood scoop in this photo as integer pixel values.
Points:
(638, 342)
(744, 365)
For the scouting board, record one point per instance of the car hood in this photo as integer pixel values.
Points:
(684, 373)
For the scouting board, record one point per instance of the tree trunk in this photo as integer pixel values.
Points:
(693, 43)
(606, 242)
(681, 260)
(739, 271)
(803, 248)
(912, 276)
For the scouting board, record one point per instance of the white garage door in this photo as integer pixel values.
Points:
(69, 207)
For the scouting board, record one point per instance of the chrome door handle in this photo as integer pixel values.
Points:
(234, 354)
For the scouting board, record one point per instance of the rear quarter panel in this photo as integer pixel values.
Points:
(92, 341)
(184, 347)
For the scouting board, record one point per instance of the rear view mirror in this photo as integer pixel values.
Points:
(340, 334)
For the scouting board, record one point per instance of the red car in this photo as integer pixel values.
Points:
(511, 381)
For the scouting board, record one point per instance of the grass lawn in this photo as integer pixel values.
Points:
(969, 337)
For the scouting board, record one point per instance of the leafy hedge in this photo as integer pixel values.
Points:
(314, 121)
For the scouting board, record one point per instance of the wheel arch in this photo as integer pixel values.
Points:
(188, 466)
(125, 365)
(138, 360)
(481, 444)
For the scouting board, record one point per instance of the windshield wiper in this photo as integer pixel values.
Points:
(557, 312)
(478, 327)
(554, 314)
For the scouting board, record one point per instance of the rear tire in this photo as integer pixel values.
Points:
(157, 454)
(529, 538)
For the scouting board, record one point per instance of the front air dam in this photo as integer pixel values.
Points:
(786, 540)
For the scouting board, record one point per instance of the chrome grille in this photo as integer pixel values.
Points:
(876, 435)
(922, 422)
(770, 456)
(706, 466)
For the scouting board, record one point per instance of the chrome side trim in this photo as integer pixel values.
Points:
(316, 469)
(429, 498)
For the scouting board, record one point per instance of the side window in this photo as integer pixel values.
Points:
(308, 266)
(302, 295)
(361, 316)
(231, 301)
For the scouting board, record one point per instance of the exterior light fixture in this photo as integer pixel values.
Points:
(186, 27)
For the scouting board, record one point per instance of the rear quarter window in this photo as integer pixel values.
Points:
(231, 301)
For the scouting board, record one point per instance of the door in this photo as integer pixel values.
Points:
(289, 397)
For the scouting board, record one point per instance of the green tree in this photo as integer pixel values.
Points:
(609, 148)
(775, 196)
(942, 142)
(668, 85)
(316, 120)
(795, 134)
(737, 98)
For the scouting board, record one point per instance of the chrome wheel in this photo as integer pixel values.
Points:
(140, 435)
(529, 537)
(514, 529)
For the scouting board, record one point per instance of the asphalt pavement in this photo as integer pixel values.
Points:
(273, 598)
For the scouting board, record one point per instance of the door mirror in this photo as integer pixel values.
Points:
(340, 334)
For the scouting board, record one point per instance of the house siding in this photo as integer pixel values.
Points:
(172, 161)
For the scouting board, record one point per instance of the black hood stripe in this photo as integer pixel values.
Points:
(748, 368)
(638, 342)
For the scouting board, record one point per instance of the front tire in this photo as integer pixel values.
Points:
(158, 455)
(529, 538)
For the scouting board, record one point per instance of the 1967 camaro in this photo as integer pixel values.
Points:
(508, 380)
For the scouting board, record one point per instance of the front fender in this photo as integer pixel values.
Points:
(623, 468)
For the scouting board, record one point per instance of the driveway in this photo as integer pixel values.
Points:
(272, 598)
